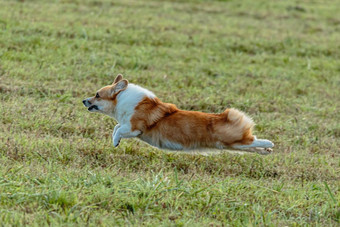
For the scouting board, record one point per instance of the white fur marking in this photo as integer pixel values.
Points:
(171, 145)
(115, 130)
(127, 100)
(219, 145)
(161, 143)
(256, 143)
(124, 132)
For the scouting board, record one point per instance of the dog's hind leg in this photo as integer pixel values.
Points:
(256, 143)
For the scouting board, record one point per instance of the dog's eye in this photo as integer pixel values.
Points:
(97, 95)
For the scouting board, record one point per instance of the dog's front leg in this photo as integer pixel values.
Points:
(124, 131)
(115, 130)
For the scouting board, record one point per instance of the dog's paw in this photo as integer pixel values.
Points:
(116, 142)
(261, 150)
(265, 151)
(269, 150)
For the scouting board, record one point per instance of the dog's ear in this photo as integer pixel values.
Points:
(119, 77)
(120, 86)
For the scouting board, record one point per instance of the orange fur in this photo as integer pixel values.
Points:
(140, 113)
(160, 121)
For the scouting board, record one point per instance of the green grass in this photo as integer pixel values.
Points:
(276, 60)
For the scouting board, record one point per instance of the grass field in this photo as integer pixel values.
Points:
(276, 60)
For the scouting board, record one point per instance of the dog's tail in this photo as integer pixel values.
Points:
(241, 125)
(240, 119)
(245, 124)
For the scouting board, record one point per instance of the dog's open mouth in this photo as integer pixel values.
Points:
(93, 107)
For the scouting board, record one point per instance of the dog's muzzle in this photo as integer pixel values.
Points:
(87, 103)
(94, 107)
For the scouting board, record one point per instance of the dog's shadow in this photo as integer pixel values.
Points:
(208, 152)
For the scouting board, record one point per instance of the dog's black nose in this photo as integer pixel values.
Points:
(86, 102)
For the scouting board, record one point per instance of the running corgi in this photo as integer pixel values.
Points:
(141, 114)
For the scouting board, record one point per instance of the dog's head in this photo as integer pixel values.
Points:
(105, 99)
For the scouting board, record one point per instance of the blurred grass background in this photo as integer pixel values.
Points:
(276, 60)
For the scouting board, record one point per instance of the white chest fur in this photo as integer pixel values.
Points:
(127, 100)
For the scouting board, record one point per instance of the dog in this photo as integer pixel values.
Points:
(141, 114)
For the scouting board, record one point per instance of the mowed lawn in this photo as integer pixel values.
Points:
(278, 61)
